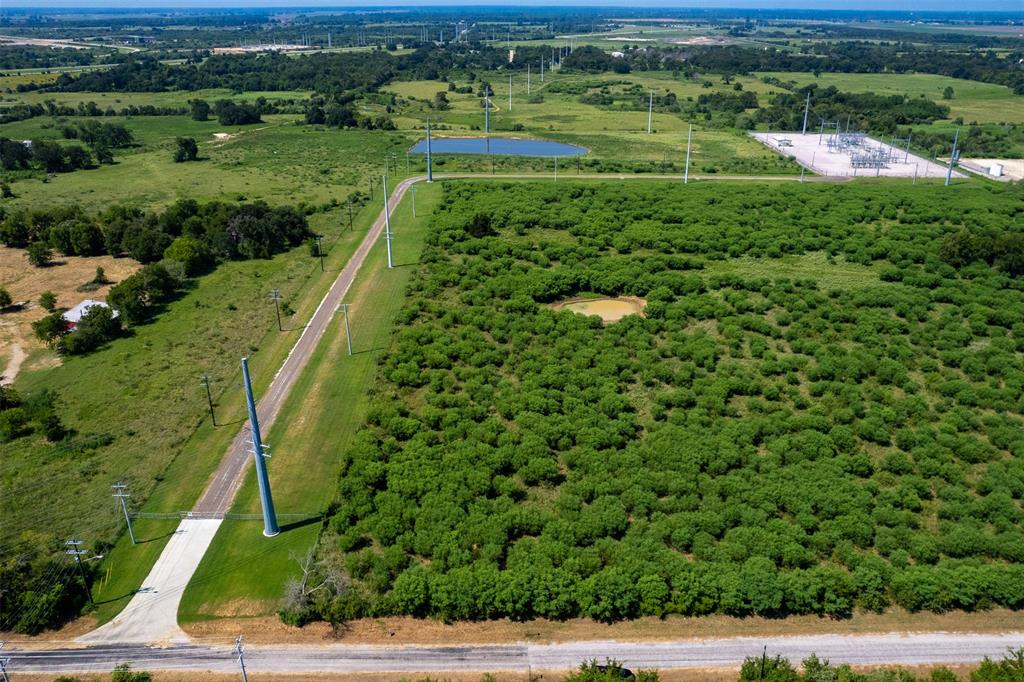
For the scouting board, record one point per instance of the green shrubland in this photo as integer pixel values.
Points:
(753, 445)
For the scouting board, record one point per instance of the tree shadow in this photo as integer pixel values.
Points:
(294, 525)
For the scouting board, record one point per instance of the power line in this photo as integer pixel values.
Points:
(275, 296)
(241, 658)
(343, 309)
(120, 494)
(74, 551)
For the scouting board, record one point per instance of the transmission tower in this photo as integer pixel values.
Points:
(387, 220)
(259, 452)
(430, 170)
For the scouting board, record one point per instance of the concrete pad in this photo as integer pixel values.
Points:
(812, 152)
(1013, 169)
(152, 614)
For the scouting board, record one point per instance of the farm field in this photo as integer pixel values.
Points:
(244, 574)
(736, 450)
(972, 100)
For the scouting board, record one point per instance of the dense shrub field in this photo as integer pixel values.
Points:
(754, 445)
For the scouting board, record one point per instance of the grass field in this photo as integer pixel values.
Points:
(275, 161)
(613, 135)
(243, 573)
(163, 446)
(119, 100)
(974, 101)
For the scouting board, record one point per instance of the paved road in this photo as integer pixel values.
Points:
(904, 649)
(152, 613)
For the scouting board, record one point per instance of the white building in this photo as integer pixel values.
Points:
(75, 315)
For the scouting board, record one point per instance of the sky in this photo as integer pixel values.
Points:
(1016, 6)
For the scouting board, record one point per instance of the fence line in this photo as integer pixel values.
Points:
(229, 516)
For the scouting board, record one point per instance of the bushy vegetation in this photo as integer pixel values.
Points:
(1009, 668)
(753, 445)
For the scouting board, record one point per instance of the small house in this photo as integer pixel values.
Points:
(74, 316)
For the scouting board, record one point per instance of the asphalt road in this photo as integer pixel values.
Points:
(905, 649)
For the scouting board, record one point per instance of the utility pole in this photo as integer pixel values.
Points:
(387, 221)
(4, 661)
(430, 171)
(527, 79)
(270, 528)
(320, 250)
(119, 493)
(487, 112)
(542, 69)
(686, 170)
(556, 169)
(650, 111)
(209, 398)
(241, 660)
(807, 110)
(510, 92)
(74, 549)
(275, 296)
(414, 202)
(350, 228)
(343, 309)
(952, 156)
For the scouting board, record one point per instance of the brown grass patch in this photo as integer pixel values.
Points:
(415, 631)
(26, 283)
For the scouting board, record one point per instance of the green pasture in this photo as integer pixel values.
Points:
(275, 161)
(244, 573)
(612, 134)
(143, 392)
(119, 100)
(973, 100)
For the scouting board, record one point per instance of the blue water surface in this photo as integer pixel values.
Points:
(506, 146)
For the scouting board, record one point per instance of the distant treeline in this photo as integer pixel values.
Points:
(366, 71)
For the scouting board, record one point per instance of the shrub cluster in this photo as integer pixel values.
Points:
(757, 444)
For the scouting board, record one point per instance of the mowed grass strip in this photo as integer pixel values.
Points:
(196, 345)
(244, 573)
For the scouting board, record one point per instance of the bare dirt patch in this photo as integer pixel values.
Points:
(26, 283)
(414, 631)
(608, 309)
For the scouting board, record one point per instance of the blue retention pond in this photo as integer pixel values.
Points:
(505, 146)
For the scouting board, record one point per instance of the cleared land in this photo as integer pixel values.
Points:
(69, 277)
(812, 151)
